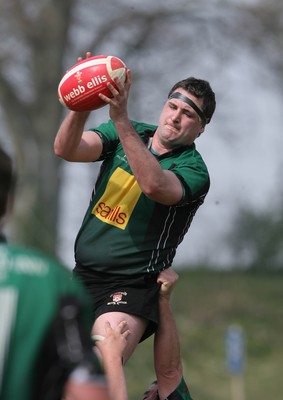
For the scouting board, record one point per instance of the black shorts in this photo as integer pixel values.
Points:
(137, 295)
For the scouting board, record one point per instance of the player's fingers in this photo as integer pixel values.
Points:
(162, 280)
(165, 287)
(128, 81)
(167, 275)
(112, 89)
(87, 55)
(121, 326)
(126, 333)
(104, 98)
(107, 327)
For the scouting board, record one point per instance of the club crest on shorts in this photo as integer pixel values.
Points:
(117, 298)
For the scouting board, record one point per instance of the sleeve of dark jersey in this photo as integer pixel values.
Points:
(66, 346)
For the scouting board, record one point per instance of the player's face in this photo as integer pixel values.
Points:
(179, 124)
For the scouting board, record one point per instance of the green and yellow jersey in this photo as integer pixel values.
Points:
(123, 231)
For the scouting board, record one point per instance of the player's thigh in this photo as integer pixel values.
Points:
(136, 325)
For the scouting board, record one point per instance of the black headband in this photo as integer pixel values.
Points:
(180, 96)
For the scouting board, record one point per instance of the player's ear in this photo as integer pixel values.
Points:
(201, 131)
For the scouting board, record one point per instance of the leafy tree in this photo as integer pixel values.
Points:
(256, 239)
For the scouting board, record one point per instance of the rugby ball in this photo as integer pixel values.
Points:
(79, 88)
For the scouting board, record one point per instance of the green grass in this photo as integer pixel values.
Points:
(205, 304)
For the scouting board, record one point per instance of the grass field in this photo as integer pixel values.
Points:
(205, 304)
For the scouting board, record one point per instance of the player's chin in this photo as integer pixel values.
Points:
(169, 142)
(151, 393)
(171, 133)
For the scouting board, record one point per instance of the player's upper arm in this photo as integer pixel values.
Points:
(167, 191)
(182, 186)
(89, 148)
(85, 148)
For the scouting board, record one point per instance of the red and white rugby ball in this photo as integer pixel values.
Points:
(79, 88)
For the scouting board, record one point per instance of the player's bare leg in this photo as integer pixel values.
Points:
(135, 324)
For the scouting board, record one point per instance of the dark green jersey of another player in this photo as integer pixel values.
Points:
(181, 392)
(124, 232)
(44, 328)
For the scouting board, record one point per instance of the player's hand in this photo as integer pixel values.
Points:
(167, 279)
(152, 392)
(87, 55)
(113, 344)
(118, 110)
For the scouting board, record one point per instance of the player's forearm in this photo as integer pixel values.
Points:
(69, 135)
(116, 378)
(112, 348)
(155, 182)
(167, 356)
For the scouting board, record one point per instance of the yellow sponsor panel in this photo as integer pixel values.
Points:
(118, 201)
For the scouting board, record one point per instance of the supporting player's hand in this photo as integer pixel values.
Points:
(114, 342)
(167, 279)
(152, 392)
